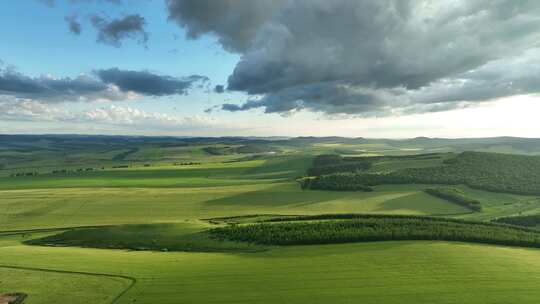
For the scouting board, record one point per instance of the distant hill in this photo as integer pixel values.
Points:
(32, 153)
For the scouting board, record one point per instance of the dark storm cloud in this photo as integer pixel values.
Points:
(231, 107)
(146, 83)
(331, 98)
(18, 85)
(112, 32)
(110, 84)
(219, 89)
(235, 22)
(73, 24)
(371, 57)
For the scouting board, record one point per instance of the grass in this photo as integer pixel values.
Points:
(495, 205)
(205, 175)
(188, 176)
(67, 207)
(156, 237)
(374, 272)
(456, 196)
(161, 206)
(44, 286)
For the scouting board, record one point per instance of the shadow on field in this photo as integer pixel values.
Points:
(276, 196)
(334, 251)
(422, 204)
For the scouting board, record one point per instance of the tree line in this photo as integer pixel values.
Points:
(522, 220)
(377, 228)
(519, 174)
(336, 182)
(331, 163)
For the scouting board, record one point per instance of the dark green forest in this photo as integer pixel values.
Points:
(522, 220)
(369, 228)
(519, 174)
(332, 163)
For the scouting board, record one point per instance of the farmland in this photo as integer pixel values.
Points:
(137, 228)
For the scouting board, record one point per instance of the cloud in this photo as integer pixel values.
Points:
(235, 23)
(101, 85)
(35, 111)
(371, 58)
(73, 24)
(48, 88)
(112, 32)
(126, 116)
(231, 107)
(219, 89)
(12, 109)
(146, 83)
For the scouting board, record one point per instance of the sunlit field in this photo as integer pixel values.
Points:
(141, 230)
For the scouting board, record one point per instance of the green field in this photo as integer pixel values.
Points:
(46, 208)
(390, 272)
(146, 221)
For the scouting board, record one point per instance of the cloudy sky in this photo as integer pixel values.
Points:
(371, 68)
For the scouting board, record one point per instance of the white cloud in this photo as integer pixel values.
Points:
(127, 116)
(30, 110)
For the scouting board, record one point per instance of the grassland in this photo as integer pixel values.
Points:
(154, 205)
(67, 286)
(156, 237)
(455, 196)
(48, 208)
(390, 272)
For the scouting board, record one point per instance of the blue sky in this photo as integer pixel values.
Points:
(286, 73)
(37, 41)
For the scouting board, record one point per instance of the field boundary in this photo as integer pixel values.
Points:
(132, 280)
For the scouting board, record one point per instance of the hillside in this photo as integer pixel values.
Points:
(517, 174)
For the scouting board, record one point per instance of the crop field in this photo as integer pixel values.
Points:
(140, 227)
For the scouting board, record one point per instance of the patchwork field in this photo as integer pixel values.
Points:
(134, 230)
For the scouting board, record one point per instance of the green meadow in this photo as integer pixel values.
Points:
(137, 226)
(388, 272)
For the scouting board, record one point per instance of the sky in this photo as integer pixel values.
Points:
(355, 68)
